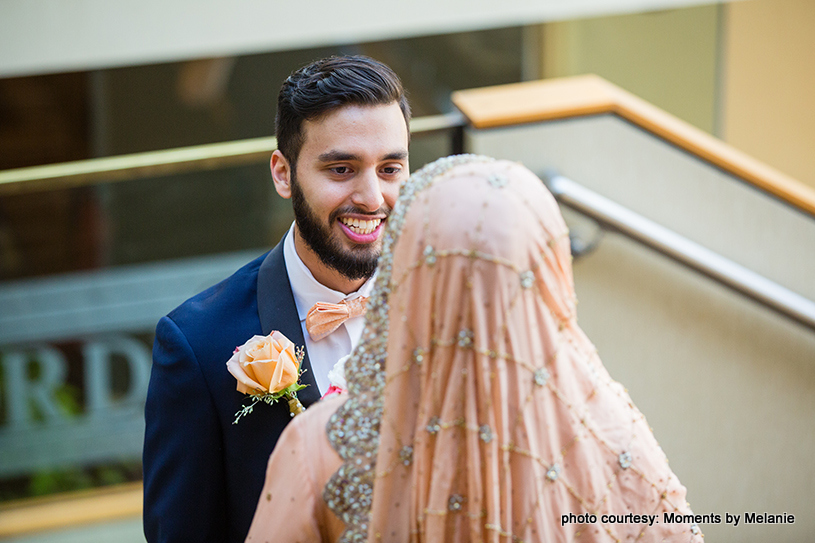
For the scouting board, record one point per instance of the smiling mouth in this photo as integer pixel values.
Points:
(361, 227)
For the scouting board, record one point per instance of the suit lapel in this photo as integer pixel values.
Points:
(277, 311)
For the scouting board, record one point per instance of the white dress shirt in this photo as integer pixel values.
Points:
(322, 354)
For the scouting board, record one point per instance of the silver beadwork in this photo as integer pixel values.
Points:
(553, 472)
(433, 425)
(625, 459)
(429, 255)
(527, 279)
(418, 355)
(497, 180)
(465, 338)
(456, 502)
(406, 455)
(485, 433)
(541, 376)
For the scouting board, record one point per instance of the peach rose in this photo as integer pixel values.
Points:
(265, 364)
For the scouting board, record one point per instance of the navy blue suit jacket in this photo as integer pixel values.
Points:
(203, 474)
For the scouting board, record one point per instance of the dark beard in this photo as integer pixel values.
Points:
(357, 263)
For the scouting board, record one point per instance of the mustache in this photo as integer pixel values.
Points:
(349, 210)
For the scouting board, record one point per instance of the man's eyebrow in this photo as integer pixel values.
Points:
(340, 156)
(337, 156)
(396, 155)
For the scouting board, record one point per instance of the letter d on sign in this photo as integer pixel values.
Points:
(99, 355)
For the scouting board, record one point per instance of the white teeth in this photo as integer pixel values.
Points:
(360, 226)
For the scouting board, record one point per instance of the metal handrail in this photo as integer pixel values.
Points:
(168, 161)
(726, 272)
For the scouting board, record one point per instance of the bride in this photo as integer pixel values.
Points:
(476, 410)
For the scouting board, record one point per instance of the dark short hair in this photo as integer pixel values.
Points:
(327, 84)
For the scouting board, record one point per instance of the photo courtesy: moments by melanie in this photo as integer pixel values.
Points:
(733, 519)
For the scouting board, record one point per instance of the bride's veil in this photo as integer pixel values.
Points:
(477, 409)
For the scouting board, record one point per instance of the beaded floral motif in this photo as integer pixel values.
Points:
(553, 472)
(406, 455)
(625, 460)
(541, 376)
(497, 180)
(418, 355)
(353, 496)
(353, 430)
(527, 279)
(465, 338)
(456, 502)
(429, 255)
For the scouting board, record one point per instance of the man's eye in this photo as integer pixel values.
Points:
(391, 170)
(340, 170)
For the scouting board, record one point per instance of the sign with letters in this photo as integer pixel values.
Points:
(39, 432)
(75, 358)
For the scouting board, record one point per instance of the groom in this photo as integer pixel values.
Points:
(342, 135)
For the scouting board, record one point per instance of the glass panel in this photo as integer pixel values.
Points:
(85, 273)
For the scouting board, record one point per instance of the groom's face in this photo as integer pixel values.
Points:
(346, 183)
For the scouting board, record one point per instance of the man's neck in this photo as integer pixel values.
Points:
(325, 275)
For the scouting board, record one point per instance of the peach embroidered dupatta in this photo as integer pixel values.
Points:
(478, 409)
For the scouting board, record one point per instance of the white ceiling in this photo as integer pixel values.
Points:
(46, 36)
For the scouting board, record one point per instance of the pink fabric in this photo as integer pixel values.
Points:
(291, 507)
(502, 276)
(498, 415)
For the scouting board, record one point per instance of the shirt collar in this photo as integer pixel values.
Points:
(306, 289)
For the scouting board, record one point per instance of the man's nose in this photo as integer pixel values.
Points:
(368, 191)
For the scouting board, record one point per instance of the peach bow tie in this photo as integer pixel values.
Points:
(323, 318)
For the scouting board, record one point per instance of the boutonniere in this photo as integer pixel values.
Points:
(336, 378)
(267, 368)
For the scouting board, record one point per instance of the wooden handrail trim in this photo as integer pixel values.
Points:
(537, 101)
(124, 167)
(66, 175)
(70, 509)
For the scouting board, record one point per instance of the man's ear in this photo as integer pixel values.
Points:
(281, 174)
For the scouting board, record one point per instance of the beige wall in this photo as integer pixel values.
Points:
(48, 36)
(668, 57)
(768, 99)
(744, 71)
